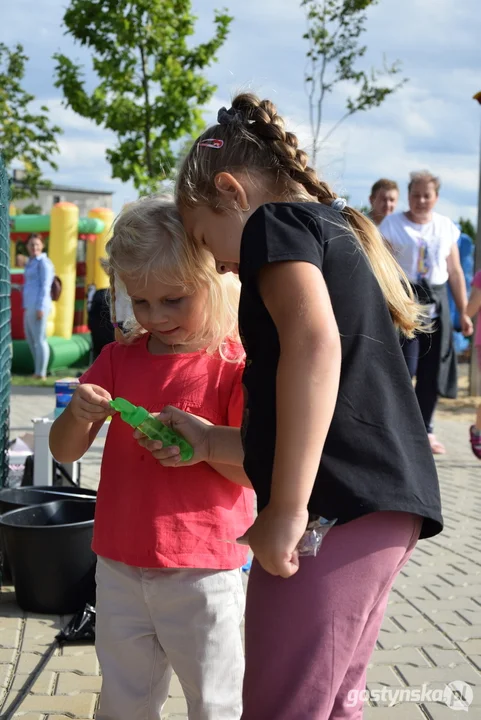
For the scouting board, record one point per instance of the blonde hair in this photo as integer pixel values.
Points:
(148, 237)
(424, 176)
(254, 139)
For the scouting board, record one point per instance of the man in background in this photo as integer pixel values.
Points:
(384, 199)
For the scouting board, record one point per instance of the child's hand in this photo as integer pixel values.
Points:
(194, 429)
(90, 404)
(274, 538)
(466, 325)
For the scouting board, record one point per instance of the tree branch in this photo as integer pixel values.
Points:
(148, 116)
(334, 127)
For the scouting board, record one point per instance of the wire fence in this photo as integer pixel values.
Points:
(5, 338)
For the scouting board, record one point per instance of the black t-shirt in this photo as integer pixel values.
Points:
(377, 455)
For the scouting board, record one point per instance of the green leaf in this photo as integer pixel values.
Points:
(25, 136)
(150, 87)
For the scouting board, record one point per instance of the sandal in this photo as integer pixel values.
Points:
(475, 439)
(437, 448)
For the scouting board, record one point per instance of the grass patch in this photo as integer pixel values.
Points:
(58, 374)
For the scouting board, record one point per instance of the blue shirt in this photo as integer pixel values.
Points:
(37, 283)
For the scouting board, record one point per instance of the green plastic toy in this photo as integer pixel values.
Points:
(141, 419)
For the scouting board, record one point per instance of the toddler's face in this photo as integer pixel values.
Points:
(168, 312)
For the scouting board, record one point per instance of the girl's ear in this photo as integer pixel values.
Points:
(231, 191)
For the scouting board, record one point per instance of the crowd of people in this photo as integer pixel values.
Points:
(425, 243)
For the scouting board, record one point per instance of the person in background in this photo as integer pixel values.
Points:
(384, 199)
(99, 322)
(426, 246)
(474, 308)
(37, 302)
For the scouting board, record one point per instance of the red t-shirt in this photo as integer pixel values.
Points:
(155, 517)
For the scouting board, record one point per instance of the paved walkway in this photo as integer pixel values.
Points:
(431, 635)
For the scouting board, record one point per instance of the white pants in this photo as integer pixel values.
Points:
(150, 622)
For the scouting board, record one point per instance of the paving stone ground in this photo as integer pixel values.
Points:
(431, 635)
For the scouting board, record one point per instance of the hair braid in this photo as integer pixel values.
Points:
(253, 137)
(267, 125)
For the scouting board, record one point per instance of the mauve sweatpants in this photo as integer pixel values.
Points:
(309, 638)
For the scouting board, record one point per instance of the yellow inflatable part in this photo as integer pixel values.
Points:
(90, 260)
(89, 272)
(101, 279)
(51, 320)
(63, 254)
(13, 254)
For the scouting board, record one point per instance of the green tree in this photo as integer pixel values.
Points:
(334, 28)
(31, 209)
(151, 87)
(25, 136)
(468, 228)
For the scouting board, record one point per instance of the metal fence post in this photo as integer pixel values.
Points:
(5, 338)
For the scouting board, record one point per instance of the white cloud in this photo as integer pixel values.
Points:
(431, 122)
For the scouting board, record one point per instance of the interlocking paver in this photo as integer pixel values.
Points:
(408, 656)
(403, 711)
(72, 683)
(43, 685)
(445, 658)
(416, 677)
(78, 706)
(431, 635)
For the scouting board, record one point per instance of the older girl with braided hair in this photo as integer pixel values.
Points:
(331, 426)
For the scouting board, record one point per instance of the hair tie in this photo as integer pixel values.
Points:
(227, 117)
(339, 204)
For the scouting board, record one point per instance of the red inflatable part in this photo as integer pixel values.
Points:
(16, 279)
(23, 237)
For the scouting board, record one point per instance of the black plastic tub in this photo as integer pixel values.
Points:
(71, 490)
(49, 550)
(14, 498)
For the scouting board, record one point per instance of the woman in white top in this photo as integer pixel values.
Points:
(426, 246)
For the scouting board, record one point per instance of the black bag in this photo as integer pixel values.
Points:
(81, 627)
(423, 292)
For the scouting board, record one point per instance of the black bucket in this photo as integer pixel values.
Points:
(15, 498)
(49, 550)
(71, 490)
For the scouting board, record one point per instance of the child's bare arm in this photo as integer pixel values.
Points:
(234, 473)
(474, 304)
(76, 428)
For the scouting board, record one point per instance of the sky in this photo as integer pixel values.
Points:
(432, 122)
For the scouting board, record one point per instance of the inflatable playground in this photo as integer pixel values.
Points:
(75, 246)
